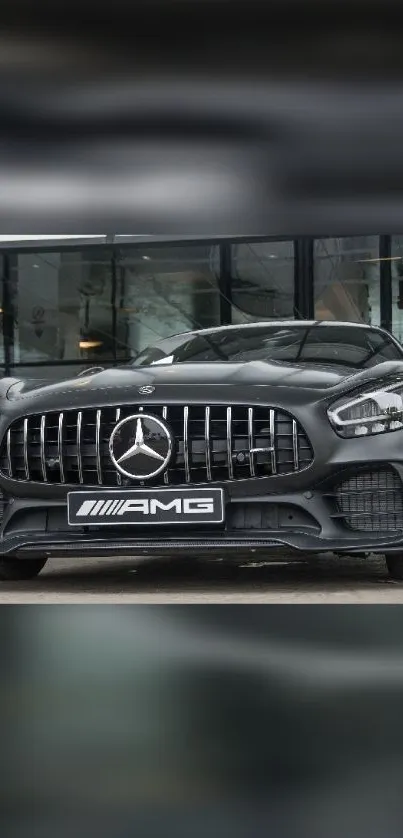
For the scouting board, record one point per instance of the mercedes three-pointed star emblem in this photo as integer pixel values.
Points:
(140, 447)
(138, 443)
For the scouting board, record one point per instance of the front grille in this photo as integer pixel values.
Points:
(372, 501)
(211, 444)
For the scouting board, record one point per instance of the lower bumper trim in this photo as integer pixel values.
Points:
(26, 545)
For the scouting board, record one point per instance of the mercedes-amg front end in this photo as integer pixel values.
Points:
(244, 438)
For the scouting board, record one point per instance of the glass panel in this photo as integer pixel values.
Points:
(263, 281)
(62, 306)
(347, 285)
(397, 286)
(2, 358)
(163, 291)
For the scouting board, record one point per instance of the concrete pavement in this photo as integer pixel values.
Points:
(110, 580)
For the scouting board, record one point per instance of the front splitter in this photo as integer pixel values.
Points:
(29, 545)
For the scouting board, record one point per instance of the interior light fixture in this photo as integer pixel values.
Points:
(90, 344)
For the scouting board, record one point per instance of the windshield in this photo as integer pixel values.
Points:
(342, 345)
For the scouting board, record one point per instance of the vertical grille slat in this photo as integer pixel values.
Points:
(43, 456)
(273, 441)
(98, 446)
(60, 447)
(229, 444)
(207, 442)
(212, 443)
(186, 443)
(165, 418)
(25, 443)
(79, 453)
(295, 444)
(9, 459)
(250, 442)
(117, 419)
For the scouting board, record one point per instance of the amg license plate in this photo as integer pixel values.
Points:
(145, 506)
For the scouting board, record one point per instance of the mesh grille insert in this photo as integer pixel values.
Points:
(372, 501)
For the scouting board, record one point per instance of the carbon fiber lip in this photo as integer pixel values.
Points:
(149, 546)
(94, 548)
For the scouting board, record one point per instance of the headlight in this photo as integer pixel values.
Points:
(376, 411)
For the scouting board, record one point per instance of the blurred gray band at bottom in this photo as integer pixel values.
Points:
(367, 811)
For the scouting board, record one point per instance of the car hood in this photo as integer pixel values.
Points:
(315, 377)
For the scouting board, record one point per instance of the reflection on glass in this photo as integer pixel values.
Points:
(163, 291)
(337, 345)
(62, 305)
(346, 274)
(263, 281)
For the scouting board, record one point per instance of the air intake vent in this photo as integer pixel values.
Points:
(211, 444)
(372, 501)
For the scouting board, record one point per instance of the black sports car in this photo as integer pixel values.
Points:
(254, 437)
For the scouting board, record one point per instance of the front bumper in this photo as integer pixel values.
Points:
(255, 522)
(296, 512)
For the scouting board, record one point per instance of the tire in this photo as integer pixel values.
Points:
(395, 567)
(20, 570)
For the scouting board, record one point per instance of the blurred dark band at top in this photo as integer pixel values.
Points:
(333, 39)
(201, 118)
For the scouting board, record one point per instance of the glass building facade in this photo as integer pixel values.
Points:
(71, 302)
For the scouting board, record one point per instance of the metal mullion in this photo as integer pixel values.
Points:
(113, 306)
(225, 284)
(385, 282)
(8, 316)
(304, 300)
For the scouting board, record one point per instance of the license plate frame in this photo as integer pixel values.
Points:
(187, 507)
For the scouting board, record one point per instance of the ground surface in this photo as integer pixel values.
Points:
(120, 580)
